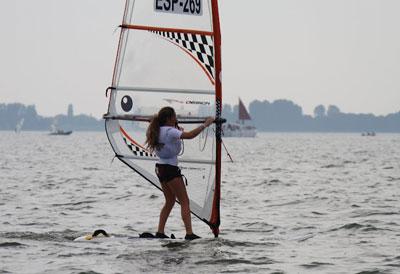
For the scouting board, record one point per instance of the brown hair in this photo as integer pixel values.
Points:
(153, 131)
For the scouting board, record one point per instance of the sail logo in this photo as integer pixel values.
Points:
(188, 7)
(198, 103)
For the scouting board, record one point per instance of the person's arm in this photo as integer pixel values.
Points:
(193, 133)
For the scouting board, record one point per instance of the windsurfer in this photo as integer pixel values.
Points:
(163, 137)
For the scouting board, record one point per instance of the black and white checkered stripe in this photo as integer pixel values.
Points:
(201, 46)
(138, 151)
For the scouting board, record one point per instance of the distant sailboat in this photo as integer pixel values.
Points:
(240, 129)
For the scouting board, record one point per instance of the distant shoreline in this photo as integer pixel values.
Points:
(277, 116)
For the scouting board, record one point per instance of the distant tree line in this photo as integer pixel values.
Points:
(13, 114)
(286, 116)
(277, 116)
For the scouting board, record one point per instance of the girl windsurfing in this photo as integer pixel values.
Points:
(164, 137)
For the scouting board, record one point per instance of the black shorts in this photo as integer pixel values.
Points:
(166, 173)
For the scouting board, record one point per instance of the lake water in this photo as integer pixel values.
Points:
(291, 203)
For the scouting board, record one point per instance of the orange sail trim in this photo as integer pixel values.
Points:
(118, 51)
(188, 31)
(130, 139)
(195, 59)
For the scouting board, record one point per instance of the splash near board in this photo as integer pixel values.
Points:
(99, 233)
(169, 54)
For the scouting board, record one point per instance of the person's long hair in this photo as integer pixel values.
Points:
(153, 131)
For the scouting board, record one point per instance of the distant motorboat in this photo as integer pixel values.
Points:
(61, 132)
(57, 131)
(369, 134)
(239, 129)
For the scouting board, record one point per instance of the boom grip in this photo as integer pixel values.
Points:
(220, 121)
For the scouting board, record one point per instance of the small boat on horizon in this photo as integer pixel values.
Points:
(57, 131)
(60, 132)
(370, 134)
(240, 129)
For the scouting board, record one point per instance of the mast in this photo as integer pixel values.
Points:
(215, 217)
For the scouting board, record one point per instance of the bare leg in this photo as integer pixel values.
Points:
(177, 186)
(166, 210)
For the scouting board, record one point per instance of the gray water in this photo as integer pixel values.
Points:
(291, 203)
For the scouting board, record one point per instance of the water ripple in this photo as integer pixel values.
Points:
(11, 244)
(315, 265)
(294, 203)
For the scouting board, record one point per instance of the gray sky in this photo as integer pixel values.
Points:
(342, 52)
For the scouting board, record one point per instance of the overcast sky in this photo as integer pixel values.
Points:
(341, 52)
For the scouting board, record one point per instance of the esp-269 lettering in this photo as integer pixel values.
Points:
(179, 6)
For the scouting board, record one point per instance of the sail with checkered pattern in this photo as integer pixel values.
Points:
(169, 54)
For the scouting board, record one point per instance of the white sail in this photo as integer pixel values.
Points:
(169, 55)
(19, 125)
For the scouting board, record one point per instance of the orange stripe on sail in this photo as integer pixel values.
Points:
(130, 139)
(189, 31)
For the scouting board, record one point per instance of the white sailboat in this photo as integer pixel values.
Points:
(240, 128)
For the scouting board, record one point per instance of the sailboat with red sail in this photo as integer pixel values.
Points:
(242, 128)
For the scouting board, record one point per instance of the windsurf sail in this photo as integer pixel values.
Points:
(169, 54)
(19, 125)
